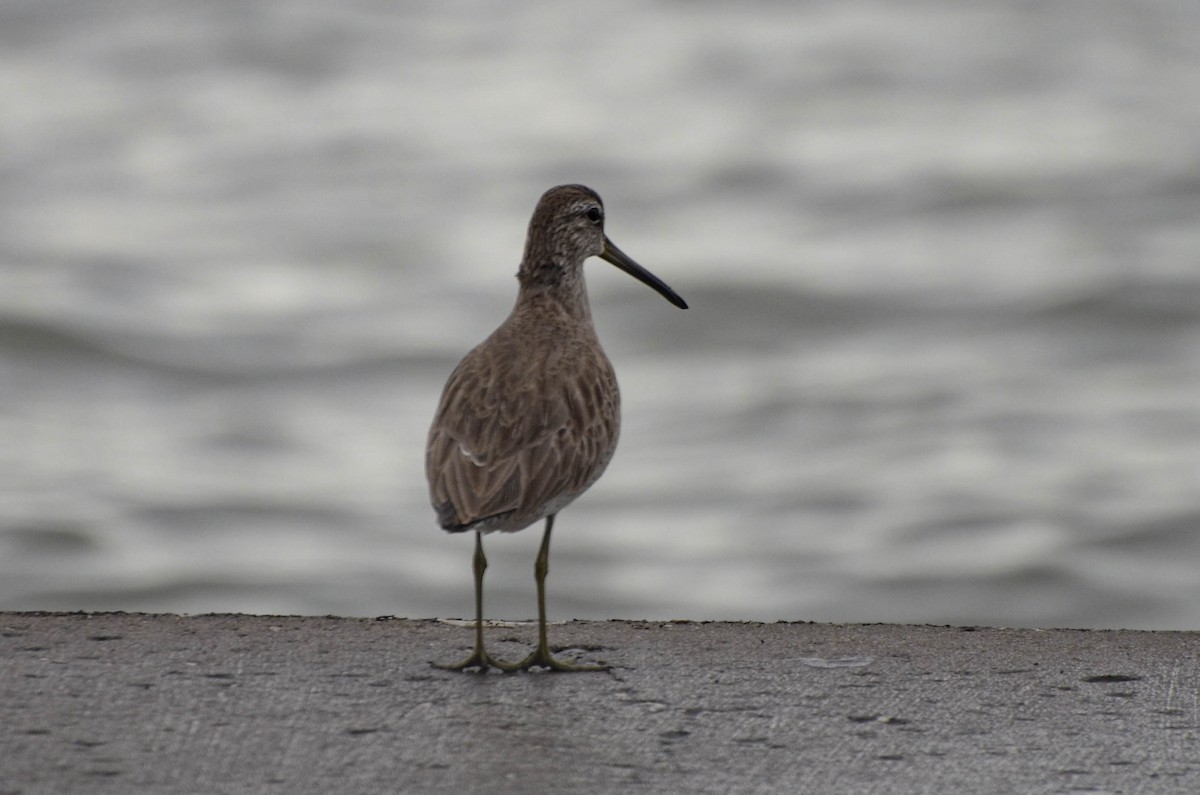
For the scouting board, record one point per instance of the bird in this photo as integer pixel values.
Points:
(529, 418)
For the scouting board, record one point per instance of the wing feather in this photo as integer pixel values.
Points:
(517, 436)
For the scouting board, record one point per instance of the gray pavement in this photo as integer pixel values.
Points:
(126, 703)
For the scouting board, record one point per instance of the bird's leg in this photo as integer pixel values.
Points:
(479, 658)
(541, 657)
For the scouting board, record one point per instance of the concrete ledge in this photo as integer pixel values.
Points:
(123, 703)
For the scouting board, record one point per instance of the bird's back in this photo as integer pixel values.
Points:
(527, 422)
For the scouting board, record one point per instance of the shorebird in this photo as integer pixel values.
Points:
(529, 419)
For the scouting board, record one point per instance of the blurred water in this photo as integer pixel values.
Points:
(942, 362)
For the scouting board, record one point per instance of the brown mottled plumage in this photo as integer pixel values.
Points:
(529, 419)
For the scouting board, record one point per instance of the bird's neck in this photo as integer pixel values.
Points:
(559, 301)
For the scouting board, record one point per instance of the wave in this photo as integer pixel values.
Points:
(281, 352)
(1148, 305)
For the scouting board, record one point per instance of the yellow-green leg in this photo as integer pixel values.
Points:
(541, 657)
(479, 658)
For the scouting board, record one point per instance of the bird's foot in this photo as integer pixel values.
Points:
(478, 659)
(542, 658)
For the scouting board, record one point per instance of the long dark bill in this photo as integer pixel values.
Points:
(617, 257)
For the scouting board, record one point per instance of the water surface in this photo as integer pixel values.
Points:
(942, 361)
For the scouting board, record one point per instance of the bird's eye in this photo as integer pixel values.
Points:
(594, 215)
